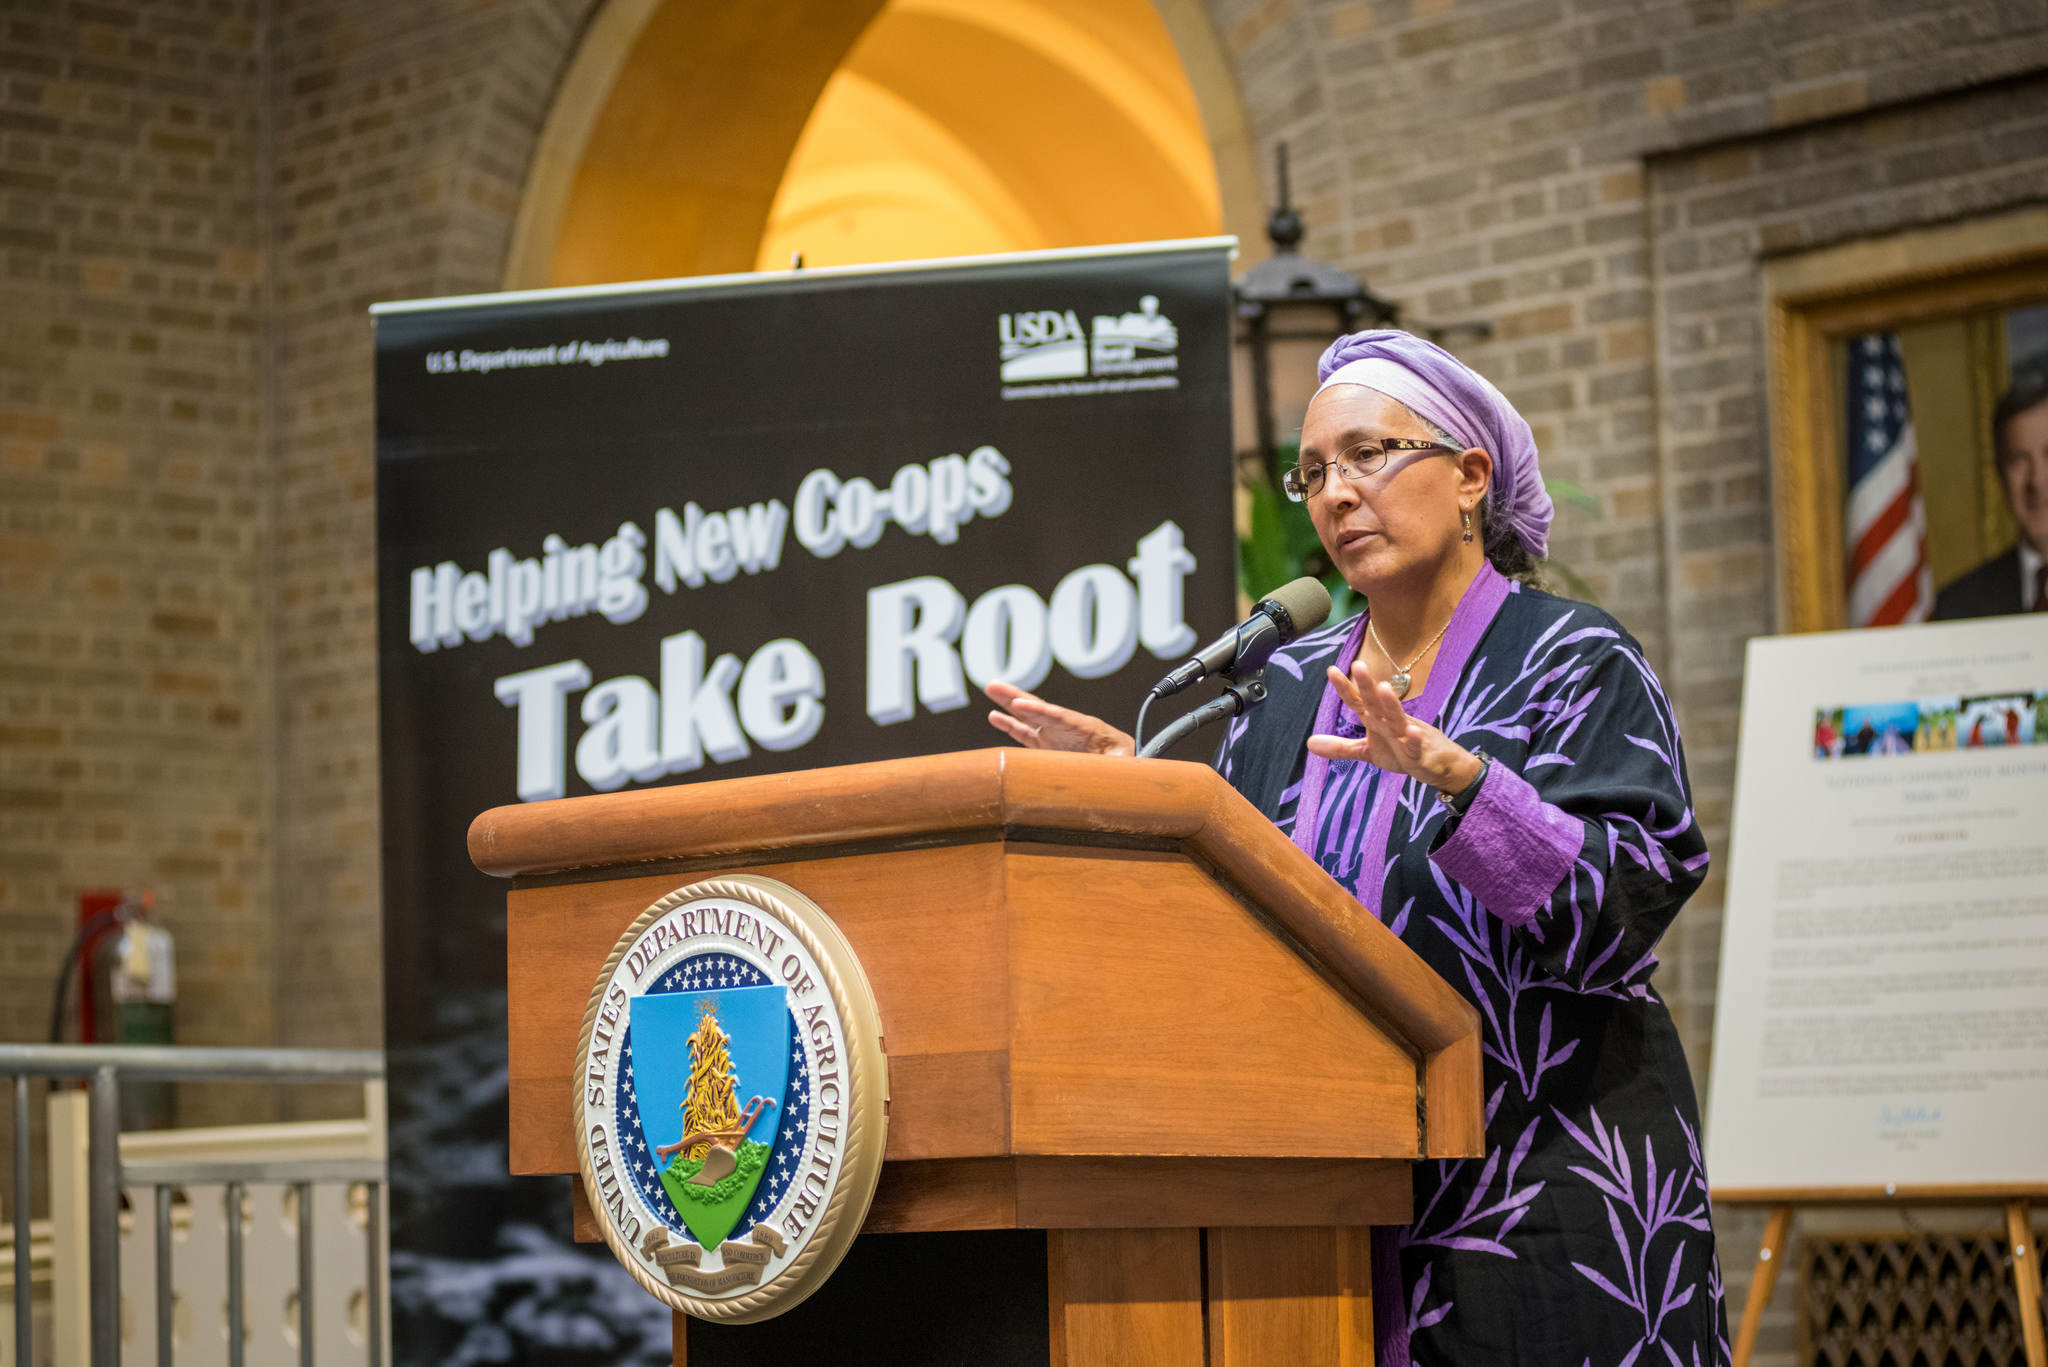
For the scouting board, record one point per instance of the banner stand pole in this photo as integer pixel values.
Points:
(2026, 1275)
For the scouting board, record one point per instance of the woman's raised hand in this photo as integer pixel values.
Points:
(1036, 724)
(1393, 740)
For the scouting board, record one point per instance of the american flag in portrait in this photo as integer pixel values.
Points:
(1890, 581)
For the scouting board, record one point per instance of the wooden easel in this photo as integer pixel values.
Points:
(2026, 1258)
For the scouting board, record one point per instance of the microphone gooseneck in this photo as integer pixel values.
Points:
(1284, 615)
(1239, 695)
(1239, 657)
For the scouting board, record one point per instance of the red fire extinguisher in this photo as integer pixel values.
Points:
(128, 988)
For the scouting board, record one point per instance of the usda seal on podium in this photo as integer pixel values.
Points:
(732, 1103)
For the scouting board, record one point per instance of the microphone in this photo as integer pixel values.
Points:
(1288, 612)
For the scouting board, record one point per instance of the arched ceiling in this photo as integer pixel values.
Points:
(960, 126)
(698, 137)
(687, 147)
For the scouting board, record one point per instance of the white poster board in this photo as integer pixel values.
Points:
(1882, 1017)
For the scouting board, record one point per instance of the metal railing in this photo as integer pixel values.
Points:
(103, 1067)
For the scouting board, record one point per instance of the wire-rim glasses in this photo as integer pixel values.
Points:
(1369, 457)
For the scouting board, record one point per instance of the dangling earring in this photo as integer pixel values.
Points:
(1465, 521)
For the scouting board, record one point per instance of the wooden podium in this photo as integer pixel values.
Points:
(1078, 961)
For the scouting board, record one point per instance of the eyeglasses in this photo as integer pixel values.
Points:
(1369, 457)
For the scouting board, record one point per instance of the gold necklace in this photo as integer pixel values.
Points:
(1399, 683)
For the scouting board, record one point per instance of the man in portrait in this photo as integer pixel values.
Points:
(2018, 580)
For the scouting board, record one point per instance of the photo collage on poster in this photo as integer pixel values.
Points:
(1930, 724)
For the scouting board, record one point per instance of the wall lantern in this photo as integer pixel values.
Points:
(1289, 308)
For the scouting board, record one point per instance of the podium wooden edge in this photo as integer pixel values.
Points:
(1024, 1192)
(1006, 794)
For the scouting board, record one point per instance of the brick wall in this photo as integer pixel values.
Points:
(134, 694)
(403, 131)
(201, 201)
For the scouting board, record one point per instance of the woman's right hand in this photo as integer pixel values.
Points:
(1036, 724)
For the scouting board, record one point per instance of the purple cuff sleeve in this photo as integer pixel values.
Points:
(1511, 848)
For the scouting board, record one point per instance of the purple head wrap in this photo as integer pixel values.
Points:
(1439, 388)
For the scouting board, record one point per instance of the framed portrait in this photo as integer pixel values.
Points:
(1889, 360)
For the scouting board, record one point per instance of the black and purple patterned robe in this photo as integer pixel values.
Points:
(1583, 1235)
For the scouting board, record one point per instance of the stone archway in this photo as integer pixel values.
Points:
(688, 139)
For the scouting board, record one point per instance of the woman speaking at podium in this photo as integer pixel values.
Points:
(1497, 772)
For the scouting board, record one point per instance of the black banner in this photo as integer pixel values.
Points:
(632, 536)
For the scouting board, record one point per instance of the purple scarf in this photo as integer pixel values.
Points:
(1439, 388)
